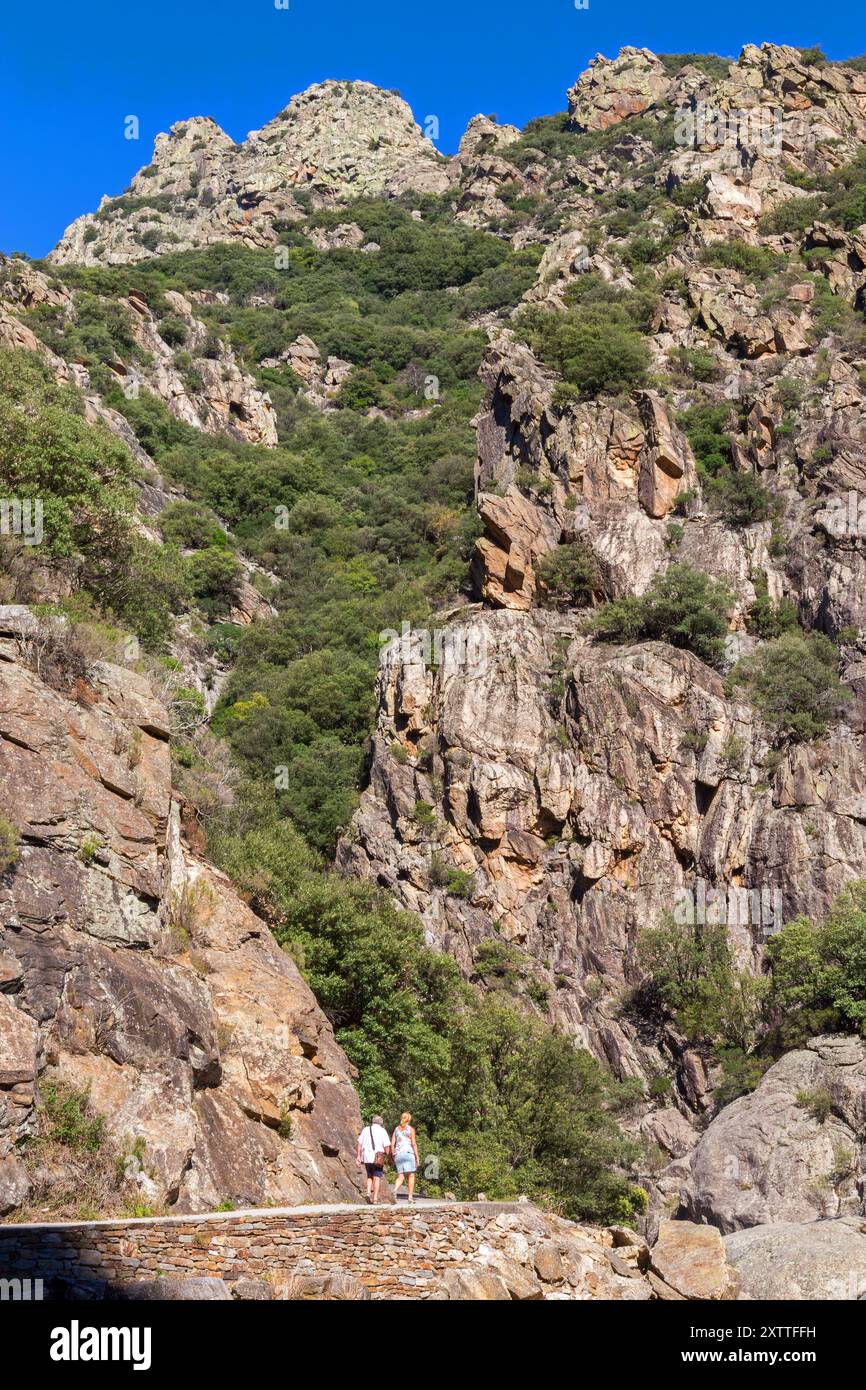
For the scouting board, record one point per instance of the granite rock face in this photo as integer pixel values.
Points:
(335, 141)
(563, 785)
(130, 968)
(818, 1260)
(769, 1158)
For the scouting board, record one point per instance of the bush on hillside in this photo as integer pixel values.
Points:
(569, 575)
(683, 606)
(793, 682)
(692, 975)
(596, 345)
(819, 971)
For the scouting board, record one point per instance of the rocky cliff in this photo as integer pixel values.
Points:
(577, 791)
(132, 971)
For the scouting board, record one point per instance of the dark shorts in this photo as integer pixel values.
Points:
(374, 1170)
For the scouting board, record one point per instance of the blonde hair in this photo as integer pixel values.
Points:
(405, 1117)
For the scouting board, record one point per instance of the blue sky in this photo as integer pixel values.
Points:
(71, 73)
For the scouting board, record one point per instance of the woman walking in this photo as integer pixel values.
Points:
(404, 1147)
(373, 1144)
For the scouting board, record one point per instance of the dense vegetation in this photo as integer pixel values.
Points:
(793, 681)
(83, 479)
(816, 983)
(597, 344)
(506, 1104)
(683, 606)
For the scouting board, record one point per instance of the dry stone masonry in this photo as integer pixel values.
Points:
(479, 1251)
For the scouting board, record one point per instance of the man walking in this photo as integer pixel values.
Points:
(373, 1144)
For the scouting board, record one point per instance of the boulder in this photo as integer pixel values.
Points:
(691, 1260)
(172, 1290)
(769, 1158)
(802, 1261)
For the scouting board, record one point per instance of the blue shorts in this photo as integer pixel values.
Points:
(405, 1163)
(374, 1170)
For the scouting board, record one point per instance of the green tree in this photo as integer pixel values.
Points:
(683, 606)
(819, 970)
(569, 575)
(793, 681)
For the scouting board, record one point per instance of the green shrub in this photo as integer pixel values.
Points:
(596, 345)
(741, 498)
(707, 428)
(68, 1118)
(84, 478)
(818, 1102)
(500, 963)
(82, 475)
(9, 838)
(793, 682)
(768, 617)
(795, 215)
(190, 525)
(697, 362)
(439, 871)
(214, 576)
(660, 1087)
(424, 815)
(569, 575)
(360, 391)
(741, 1072)
(710, 63)
(753, 262)
(692, 974)
(683, 606)
(173, 330)
(819, 971)
(460, 884)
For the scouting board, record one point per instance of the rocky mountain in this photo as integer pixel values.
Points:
(629, 676)
(334, 141)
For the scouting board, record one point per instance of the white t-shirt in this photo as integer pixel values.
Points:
(374, 1143)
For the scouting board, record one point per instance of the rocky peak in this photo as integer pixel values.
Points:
(483, 132)
(339, 138)
(335, 141)
(613, 88)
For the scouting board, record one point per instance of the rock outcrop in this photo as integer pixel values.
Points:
(335, 141)
(131, 970)
(612, 89)
(791, 1151)
(691, 1260)
(211, 392)
(563, 783)
(817, 1261)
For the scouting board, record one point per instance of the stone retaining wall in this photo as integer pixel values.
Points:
(393, 1250)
